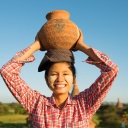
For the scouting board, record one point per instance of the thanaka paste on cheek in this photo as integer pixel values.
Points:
(51, 79)
(67, 78)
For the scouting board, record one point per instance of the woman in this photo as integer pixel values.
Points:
(61, 110)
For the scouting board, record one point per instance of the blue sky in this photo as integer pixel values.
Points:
(104, 25)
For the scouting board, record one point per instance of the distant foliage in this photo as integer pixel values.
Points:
(18, 109)
(3, 109)
(108, 117)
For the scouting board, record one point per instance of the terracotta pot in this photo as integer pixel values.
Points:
(58, 32)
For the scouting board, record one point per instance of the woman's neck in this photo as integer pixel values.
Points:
(60, 99)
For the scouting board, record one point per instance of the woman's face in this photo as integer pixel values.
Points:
(60, 78)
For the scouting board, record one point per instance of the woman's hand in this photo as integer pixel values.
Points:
(37, 39)
(80, 43)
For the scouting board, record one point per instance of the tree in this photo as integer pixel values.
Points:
(108, 116)
(3, 109)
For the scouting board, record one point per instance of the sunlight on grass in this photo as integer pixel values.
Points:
(13, 118)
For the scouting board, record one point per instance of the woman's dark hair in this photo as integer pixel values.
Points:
(72, 68)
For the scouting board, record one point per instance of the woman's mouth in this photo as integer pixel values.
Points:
(59, 85)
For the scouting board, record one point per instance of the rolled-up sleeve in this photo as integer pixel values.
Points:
(92, 97)
(10, 73)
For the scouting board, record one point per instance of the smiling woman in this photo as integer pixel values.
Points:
(61, 110)
(60, 80)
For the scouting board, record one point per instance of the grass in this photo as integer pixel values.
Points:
(13, 121)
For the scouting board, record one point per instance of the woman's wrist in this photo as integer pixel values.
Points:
(89, 52)
(33, 48)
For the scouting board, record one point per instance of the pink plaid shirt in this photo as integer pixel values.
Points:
(77, 111)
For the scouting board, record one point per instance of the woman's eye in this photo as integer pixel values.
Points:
(66, 74)
(53, 74)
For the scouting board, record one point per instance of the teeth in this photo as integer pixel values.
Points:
(60, 86)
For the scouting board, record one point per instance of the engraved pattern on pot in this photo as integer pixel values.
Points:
(59, 25)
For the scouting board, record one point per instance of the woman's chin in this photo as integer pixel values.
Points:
(60, 92)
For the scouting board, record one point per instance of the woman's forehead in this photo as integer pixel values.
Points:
(64, 66)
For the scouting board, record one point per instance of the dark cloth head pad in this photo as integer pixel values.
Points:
(56, 55)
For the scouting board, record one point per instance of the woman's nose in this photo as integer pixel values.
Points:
(60, 77)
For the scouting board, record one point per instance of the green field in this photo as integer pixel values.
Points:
(13, 121)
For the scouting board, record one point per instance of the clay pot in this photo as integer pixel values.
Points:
(58, 32)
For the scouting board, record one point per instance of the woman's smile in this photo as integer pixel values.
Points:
(60, 85)
(60, 78)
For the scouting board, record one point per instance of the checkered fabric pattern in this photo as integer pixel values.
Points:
(77, 110)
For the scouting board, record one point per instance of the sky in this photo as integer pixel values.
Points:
(104, 24)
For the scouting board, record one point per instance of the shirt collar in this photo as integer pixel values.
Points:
(70, 101)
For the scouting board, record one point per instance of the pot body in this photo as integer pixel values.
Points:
(58, 32)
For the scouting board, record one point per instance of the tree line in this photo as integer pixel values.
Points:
(9, 108)
(108, 115)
